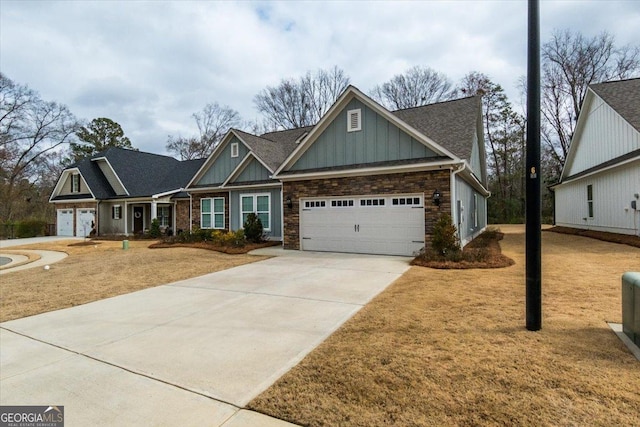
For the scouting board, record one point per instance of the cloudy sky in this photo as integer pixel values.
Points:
(149, 65)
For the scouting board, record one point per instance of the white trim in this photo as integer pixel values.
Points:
(255, 196)
(380, 170)
(60, 183)
(235, 150)
(118, 209)
(357, 115)
(72, 201)
(213, 214)
(631, 160)
(166, 193)
(242, 166)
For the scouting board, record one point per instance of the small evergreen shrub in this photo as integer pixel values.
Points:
(253, 228)
(445, 238)
(30, 228)
(154, 231)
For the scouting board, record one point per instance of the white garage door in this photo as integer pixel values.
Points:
(389, 225)
(65, 222)
(85, 219)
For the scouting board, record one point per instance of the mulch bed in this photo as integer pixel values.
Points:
(623, 239)
(231, 250)
(492, 257)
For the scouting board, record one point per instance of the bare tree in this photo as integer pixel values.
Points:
(213, 122)
(31, 132)
(570, 63)
(504, 131)
(416, 87)
(300, 102)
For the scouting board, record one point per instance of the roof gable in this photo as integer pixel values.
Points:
(220, 164)
(603, 135)
(251, 170)
(407, 122)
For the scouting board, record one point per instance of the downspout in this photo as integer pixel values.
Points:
(97, 218)
(454, 203)
(282, 208)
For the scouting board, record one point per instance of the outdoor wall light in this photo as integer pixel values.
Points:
(289, 202)
(436, 198)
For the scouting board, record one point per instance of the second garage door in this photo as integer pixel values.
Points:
(387, 225)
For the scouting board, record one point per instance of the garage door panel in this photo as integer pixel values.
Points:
(64, 222)
(84, 220)
(372, 225)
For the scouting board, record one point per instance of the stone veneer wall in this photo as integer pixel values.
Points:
(182, 215)
(74, 206)
(195, 207)
(400, 183)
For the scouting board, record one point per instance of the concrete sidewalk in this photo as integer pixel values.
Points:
(189, 353)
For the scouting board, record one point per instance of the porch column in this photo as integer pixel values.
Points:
(126, 218)
(154, 210)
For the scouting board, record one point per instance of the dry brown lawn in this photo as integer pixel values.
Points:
(446, 347)
(102, 270)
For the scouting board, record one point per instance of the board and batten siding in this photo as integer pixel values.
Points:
(276, 210)
(108, 225)
(65, 189)
(254, 171)
(602, 127)
(379, 140)
(472, 203)
(224, 164)
(475, 162)
(613, 191)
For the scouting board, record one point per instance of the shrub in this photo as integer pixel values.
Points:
(154, 231)
(233, 238)
(253, 228)
(30, 228)
(445, 237)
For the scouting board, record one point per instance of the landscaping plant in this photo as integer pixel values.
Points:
(253, 229)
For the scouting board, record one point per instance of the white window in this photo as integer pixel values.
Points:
(342, 203)
(234, 149)
(372, 202)
(212, 213)
(354, 120)
(404, 201)
(164, 216)
(116, 212)
(260, 204)
(75, 183)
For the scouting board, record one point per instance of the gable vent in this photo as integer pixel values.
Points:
(354, 120)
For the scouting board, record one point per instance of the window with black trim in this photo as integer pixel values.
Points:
(342, 203)
(372, 202)
(315, 204)
(590, 200)
(75, 183)
(116, 212)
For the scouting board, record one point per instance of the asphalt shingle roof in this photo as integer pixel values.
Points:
(624, 97)
(142, 174)
(451, 124)
(273, 147)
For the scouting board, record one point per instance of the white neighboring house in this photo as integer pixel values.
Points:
(600, 184)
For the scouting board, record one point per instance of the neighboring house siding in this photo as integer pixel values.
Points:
(472, 218)
(378, 141)
(399, 183)
(595, 140)
(65, 190)
(254, 171)
(224, 164)
(111, 177)
(195, 207)
(275, 213)
(613, 191)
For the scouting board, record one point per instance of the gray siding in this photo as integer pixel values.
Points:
(224, 164)
(111, 177)
(254, 171)
(476, 163)
(108, 225)
(378, 141)
(276, 210)
(466, 223)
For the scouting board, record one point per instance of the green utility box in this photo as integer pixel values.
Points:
(125, 244)
(631, 306)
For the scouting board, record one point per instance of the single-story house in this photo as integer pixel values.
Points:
(363, 179)
(119, 191)
(599, 188)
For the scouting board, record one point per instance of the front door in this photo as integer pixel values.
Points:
(138, 219)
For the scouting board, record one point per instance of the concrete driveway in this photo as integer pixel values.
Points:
(192, 352)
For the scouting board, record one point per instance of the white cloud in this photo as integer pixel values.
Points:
(150, 64)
